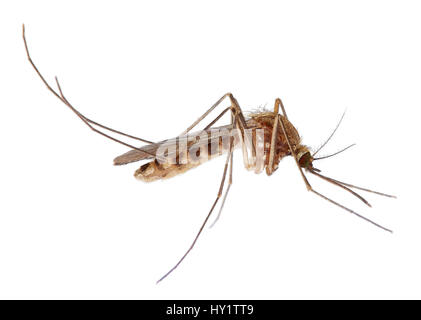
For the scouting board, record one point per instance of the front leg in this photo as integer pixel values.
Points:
(310, 188)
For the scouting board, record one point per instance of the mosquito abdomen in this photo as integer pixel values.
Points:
(155, 170)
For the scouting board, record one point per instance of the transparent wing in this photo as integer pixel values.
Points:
(196, 140)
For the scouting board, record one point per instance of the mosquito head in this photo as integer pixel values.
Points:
(305, 159)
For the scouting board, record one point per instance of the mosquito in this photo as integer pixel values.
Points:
(264, 137)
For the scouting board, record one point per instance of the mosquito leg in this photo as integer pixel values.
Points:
(351, 211)
(242, 124)
(363, 189)
(341, 186)
(217, 118)
(241, 135)
(226, 191)
(87, 121)
(279, 102)
(290, 147)
(309, 188)
(245, 139)
(203, 116)
(67, 103)
(270, 167)
(209, 214)
(235, 107)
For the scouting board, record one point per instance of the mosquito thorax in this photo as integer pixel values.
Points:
(304, 157)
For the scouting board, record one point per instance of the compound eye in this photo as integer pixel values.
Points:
(305, 160)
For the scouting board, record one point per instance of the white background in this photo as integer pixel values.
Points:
(74, 226)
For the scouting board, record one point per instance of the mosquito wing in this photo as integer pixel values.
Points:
(137, 155)
(198, 139)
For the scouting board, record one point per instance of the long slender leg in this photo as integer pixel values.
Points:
(228, 187)
(363, 189)
(86, 120)
(244, 136)
(229, 181)
(209, 214)
(269, 168)
(66, 102)
(279, 101)
(309, 188)
(242, 125)
(203, 116)
(340, 186)
(217, 118)
(351, 211)
(226, 193)
(241, 136)
(290, 147)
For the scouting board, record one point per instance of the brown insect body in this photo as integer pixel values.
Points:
(265, 120)
(179, 160)
(156, 170)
